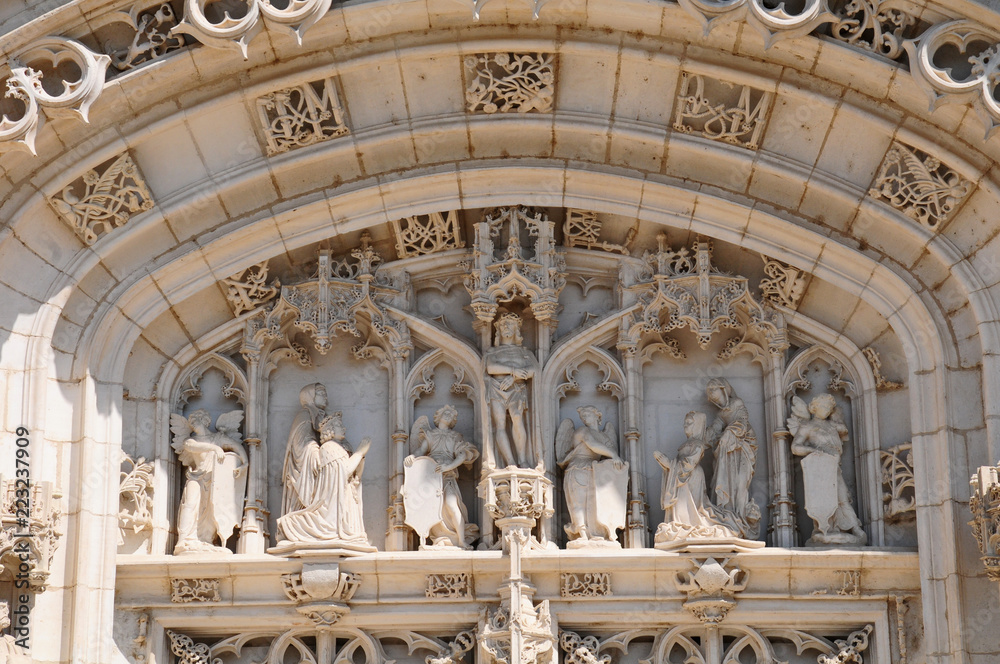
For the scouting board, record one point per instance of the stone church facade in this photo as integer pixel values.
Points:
(500, 332)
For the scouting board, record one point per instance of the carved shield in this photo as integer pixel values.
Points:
(423, 495)
(819, 476)
(610, 496)
(229, 485)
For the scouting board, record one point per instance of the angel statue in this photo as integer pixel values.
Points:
(687, 511)
(329, 485)
(819, 440)
(431, 497)
(735, 460)
(595, 481)
(509, 366)
(214, 483)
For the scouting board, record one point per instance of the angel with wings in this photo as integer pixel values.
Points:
(431, 496)
(595, 480)
(214, 482)
(818, 435)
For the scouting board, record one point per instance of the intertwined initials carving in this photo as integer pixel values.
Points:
(152, 38)
(721, 111)
(510, 82)
(784, 284)
(194, 590)
(300, 116)
(587, 584)
(449, 586)
(249, 289)
(919, 185)
(427, 233)
(100, 202)
(582, 228)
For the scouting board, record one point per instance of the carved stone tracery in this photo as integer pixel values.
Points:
(510, 82)
(302, 115)
(135, 500)
(195, 590)
(152, 39)
(29, 515)
(985, 506)
(919, 185)
(721, 111)
(296, 16)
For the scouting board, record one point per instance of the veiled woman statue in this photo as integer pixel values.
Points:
(735, 459)
(321, 500)
(687, 511)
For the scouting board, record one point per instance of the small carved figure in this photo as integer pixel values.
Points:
(214, 482)
(331, 476)
(596, 479)
(687, 511)
(819, 440)
(10, 652)
(431, 497)
(509, 366)
(735, 459)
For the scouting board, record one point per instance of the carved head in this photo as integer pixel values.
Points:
(695, 424)
(4, 615)
(331, 427)
(508, 329)
(590, 415)
(719, 391)
(446, 416)
(822, 406)
(314, 395)
(200, 420)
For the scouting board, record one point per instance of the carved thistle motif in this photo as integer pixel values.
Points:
(449, 586)
(721, 111)
(881, 382)
(29, 514)
(849, 650)
(303, 115)
(711, 589)
(872, 26)
(427, 234)
(101, 201)
(249, 289)
(985, 506)
(897, 477)
(919, 185)
(510, 82)
(152, 38)
(194, 590)
(135, 485)
(587, 584)
(784, 284)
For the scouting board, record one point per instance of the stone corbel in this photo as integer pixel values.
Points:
(322, 592)
(711, 589)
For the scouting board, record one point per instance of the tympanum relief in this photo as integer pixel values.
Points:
(659, 419)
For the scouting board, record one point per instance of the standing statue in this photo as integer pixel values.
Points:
(214, 481)
(329, 478)
(595, 481)
(509, 366)
(298, 486)
(735, 459)
(10, 651)
(431, 497)
(819, 440)
(687, 511)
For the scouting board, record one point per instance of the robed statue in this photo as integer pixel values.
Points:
(10, 651)
(321, 498)
(818, 435)
(509, 367)
(687, 511)
(215, 480)
(431, 497)
(595, 480)
(735, 460)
